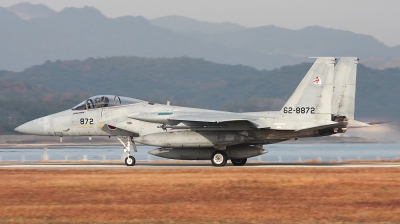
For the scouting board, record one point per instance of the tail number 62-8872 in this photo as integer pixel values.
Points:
(299, 110)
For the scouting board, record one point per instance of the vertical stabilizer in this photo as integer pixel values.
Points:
(344, 93)
(312, 99)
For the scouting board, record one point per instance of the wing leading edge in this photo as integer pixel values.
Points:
(206, 117)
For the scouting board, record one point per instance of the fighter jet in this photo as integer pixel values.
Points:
(321, 105)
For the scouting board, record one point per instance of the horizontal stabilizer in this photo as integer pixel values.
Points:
(359, 124)
(332, 125)
(378, 122)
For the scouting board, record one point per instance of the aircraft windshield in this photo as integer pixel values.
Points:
(104, 101)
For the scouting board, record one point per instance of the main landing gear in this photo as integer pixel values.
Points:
(239, 162)
(129, 160)
(219, 159)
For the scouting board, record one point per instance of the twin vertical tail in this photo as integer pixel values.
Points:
(312, 99)
(325, 97)
(344, 93)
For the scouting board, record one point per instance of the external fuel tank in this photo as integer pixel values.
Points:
(192, 139)
(233, 152)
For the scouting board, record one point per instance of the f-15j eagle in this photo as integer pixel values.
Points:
(322, 104)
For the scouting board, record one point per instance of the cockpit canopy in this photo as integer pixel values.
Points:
(105, 101)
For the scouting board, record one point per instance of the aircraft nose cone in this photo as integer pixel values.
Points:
(35, 127)
(24, 128)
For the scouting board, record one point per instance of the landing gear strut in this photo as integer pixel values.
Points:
(129, 160)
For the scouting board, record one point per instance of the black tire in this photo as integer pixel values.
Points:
(219, 158)
(239, 162)
(130, 161)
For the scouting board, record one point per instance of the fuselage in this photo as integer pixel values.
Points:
(115, 119)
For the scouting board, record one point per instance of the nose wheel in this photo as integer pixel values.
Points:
(130, 161)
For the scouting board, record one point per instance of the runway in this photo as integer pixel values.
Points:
(196, 166)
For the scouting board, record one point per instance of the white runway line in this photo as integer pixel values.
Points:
(188, 166)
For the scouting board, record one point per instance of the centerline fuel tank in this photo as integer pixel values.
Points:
(233, 152)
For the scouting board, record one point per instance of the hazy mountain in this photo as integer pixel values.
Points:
(191, 26)
(25, 91)
(305, 42)
(8, 19)
(301, 43)
(27, 10)
(382, 63)
(199, 83)
(308, 41)
(81, 33)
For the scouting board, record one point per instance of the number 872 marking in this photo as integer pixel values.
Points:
(86, 120)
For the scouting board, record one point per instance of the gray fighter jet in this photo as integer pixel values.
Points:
(322, 104)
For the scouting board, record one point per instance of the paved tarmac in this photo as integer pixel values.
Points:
(108, 166)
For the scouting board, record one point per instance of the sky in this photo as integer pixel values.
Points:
(379, 19)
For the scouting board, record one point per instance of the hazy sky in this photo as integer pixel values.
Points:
(380, 19)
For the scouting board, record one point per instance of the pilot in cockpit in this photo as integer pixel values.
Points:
(101, 102)
(104, 101)
(97, 102)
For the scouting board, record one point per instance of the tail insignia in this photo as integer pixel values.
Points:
(317, 81)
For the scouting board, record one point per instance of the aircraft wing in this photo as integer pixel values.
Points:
(218, 118)
(204, 116)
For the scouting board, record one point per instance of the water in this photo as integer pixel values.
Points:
(277, 152)
(333, 151)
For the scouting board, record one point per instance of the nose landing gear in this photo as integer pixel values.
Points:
(129, 160)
